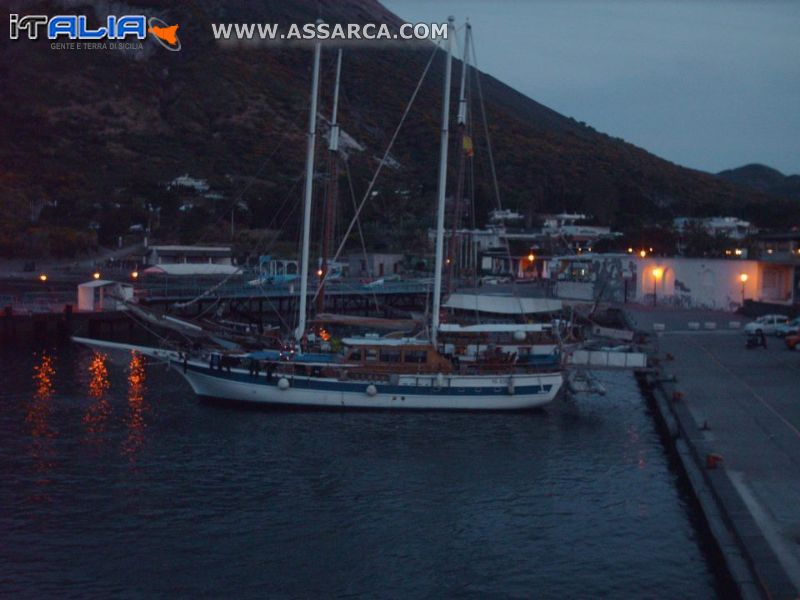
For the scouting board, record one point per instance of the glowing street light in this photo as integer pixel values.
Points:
(319, 272)
(743, 278)
(42, 277)
(630, 250)
(657, 272)
(96, 275)
(531, 257)
(642, 252)
(135, 275)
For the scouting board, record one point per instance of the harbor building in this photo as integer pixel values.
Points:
(374, 264)
(714, 283)
(504, 247)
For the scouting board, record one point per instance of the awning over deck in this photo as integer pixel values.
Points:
(502, 305)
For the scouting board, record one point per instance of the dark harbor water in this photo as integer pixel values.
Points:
(117, 481)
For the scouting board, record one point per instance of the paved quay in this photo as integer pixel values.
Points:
(743, 405)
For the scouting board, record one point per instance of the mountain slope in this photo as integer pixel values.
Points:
(763, 179)
(91, 138)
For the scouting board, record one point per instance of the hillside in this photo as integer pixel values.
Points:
(91, 139)
(764, 179)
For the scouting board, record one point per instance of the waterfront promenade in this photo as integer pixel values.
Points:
(743, 405)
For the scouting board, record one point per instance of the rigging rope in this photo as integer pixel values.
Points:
(381, 164)
(360, 232)
(493, 170)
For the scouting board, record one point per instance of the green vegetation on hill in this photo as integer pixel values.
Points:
(91, 139)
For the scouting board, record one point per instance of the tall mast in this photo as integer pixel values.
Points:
(437, 279)
(312, 136)
(333, 189)
(453, 251)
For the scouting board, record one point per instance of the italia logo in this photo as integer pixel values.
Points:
(76, 28)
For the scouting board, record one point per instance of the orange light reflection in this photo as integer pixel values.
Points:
(37, 416)
(136, 406)
(97, 414)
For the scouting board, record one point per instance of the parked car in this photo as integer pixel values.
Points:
(793, 341)
(790, 328)
(766, 324)
(495, 280)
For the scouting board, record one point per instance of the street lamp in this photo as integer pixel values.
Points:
(531, 257)
(657, 273)
(96, 275)
(642, 252)
(42, 277)
(743, 278)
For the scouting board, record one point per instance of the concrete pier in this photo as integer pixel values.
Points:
(723, 402)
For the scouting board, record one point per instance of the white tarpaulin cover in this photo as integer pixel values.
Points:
(502, 305)
(492, 327)
(191, 269)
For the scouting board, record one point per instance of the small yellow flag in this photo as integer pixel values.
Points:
(469, 150)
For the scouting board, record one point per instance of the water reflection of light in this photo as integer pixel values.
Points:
(37, 416)
(136, 406)
(635, 453)
(41, 405)
(97, 414)
(637, 447)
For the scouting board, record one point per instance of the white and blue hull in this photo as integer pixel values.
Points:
(419, 392)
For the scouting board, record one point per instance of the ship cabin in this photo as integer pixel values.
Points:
(393, 355)
(524, 343)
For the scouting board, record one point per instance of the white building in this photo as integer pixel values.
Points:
(101, 294)
(374, 264)
(500, 248)
(715, 283)
(729, 227)
(701, 282)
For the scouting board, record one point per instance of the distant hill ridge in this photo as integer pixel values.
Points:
(763, 179)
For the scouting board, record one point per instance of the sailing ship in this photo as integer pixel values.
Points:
(371, 371)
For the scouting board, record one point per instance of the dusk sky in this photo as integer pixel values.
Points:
(707, 84)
